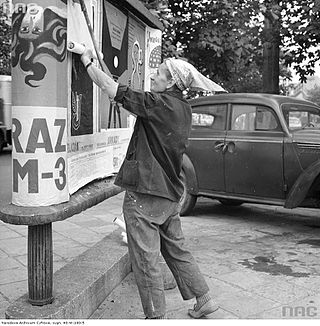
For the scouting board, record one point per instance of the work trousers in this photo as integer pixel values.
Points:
(153, 226)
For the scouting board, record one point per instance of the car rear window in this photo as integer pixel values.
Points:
(300, 117)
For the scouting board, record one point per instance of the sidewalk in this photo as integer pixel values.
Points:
(70, 238)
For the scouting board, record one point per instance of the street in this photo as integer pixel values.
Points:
(5, 176)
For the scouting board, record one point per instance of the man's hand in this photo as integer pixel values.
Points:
(87, 56)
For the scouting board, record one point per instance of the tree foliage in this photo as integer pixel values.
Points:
(5, 41)
(224, 38)
(301, 35)
(313, 94)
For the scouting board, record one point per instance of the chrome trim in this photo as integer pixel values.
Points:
(254, 140)
(244, 198)
(241, 140)
(218, 138)
(308, 145)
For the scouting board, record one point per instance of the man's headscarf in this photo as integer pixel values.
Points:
(187, 76)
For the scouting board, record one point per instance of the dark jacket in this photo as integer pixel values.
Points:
(154, 157)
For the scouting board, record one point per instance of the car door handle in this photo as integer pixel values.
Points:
(218, 146)
(225, 148)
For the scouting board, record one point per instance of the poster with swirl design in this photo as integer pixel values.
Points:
(39, 51)
(39, 103)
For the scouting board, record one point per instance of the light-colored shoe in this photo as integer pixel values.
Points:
(206, 309)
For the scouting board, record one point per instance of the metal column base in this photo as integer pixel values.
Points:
(40, 264)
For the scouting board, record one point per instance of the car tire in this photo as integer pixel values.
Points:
(187, 201)
(230, 202)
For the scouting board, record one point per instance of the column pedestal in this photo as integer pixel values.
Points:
(40, 264)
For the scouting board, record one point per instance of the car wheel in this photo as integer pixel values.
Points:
(230, 202)
(187, 200)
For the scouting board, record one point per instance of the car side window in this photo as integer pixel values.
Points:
(253, 118)
(211, 117)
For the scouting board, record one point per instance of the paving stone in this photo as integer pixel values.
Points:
(3, 254)
(312, 282)
(2, 298)
(3, 308)
(108, 217)
(60, 240)
(82, 235)
(21, 229)
(68, 253)
(22, 260)
(13, 275)
(244, 279)
(89, 222)
(57, 237)
(7, 233)
(216, 267)
(14, 290)
(58, 264)
(105, 230)
(306, 308)
(14, 247)
(9, 263)
(79, 217)
(274, 313)
(282, 292)
(63, 225)
(244, 303)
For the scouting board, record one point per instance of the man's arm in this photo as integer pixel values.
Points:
(105, 82)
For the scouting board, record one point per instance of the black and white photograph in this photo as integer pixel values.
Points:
(159, 159)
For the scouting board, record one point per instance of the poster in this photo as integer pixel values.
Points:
(81, 113)
(39, 54)
(153, 54)
(136, 59)
(89, 158)
(81, 99)
(96, 156)
(85, 150)
(39, 103)
(39, 156)
(119, 140)
(123, 46)
(115, 39)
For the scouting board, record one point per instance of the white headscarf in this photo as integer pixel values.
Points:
(186, 76)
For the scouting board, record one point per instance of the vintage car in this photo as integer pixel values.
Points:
(253, 148)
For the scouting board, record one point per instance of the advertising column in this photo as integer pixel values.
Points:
(39, 103)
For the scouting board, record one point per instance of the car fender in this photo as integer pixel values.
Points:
(190, 172)
(302, 185)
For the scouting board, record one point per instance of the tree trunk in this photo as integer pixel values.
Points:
(271, 49)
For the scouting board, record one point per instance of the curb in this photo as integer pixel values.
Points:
(81, 285)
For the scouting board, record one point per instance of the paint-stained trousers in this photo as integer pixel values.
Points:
(153, 225)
